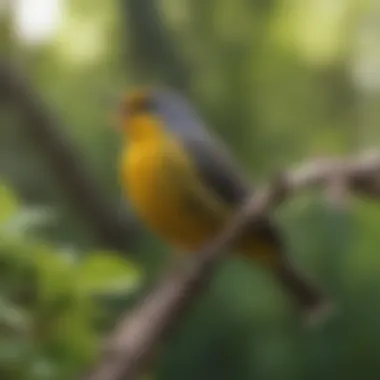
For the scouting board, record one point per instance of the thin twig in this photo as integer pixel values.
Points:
(133, 339)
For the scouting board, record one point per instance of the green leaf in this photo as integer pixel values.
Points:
(8, 204)
(103, 272)
(29, 218)
(74, 335)
(56, 273)
(42, 368)
(363, 260)
(12, 317)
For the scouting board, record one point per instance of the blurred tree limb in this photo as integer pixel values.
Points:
(152, 48)
(137, 333)
(109, 225)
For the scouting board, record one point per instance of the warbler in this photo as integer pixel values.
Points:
(185, 186)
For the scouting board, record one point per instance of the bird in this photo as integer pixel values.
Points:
(185, 185)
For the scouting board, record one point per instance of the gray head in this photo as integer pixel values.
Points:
(172, 109)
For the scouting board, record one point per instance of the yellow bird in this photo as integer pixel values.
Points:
(185, 186)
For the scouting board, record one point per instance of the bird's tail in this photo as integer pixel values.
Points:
(313, 303)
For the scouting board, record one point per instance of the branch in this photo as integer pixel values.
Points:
(151, 46)
(133, 339)
(112, 229)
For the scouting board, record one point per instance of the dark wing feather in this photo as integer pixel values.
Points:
(213, 164)
(223, 177)
(217, 171)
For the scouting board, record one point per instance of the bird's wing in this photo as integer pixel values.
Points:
(217, 171)
(223, 180)
(212, 162)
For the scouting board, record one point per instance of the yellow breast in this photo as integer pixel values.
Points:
(159, 196)
(140, 167)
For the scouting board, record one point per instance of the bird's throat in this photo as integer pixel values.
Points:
(143, 128)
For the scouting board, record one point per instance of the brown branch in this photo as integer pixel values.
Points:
(133, 339)
(109, 225)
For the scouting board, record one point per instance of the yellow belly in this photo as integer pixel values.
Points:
(158, 197)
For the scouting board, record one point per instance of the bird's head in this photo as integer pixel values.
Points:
(136, 114)
(149, 111)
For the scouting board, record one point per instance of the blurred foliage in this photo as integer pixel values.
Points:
(280, 81)
(49, 318)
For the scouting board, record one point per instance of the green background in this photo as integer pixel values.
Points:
(281, 81)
